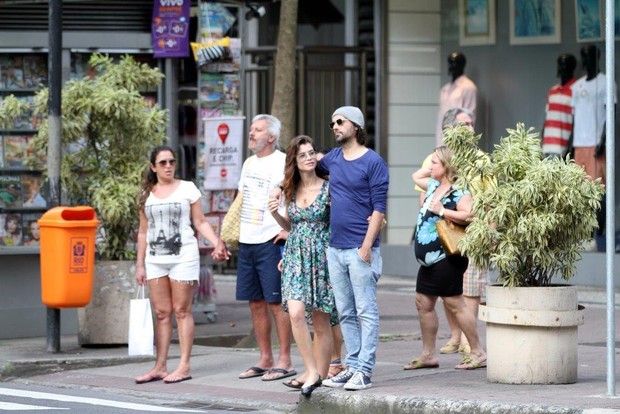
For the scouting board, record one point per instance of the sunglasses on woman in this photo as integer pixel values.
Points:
(162, 163)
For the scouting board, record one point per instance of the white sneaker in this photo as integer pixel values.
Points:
(339, 380)
(359, 381)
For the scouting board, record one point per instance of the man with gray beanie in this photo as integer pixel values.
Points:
(358, 187)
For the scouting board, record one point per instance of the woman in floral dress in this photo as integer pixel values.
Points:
(306, 291)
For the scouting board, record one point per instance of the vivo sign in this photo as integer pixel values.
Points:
(168, 3)
(170, 28)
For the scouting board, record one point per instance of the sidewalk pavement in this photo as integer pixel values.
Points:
(215, 368)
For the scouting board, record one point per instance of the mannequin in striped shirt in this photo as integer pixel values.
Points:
(558, 128)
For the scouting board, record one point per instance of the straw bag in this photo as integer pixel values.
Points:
(232, 222)
(450, 234)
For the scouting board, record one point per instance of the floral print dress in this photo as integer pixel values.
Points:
(428, 247)
(305, 276)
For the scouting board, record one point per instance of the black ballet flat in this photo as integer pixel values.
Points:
(307, 391)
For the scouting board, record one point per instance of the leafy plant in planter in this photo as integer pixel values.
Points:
(532, 222)
(108, 130)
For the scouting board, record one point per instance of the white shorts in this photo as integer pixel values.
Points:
(184, 271)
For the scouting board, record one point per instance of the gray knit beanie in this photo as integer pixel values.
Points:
(352, 113)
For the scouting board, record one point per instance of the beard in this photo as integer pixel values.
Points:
(343, 139)
(258, 146)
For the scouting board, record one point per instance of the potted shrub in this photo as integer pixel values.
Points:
(108, 131)
(529, 223)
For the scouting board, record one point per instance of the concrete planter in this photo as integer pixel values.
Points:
(532, 334)
(105, 320)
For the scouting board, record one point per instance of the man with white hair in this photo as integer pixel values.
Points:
(260, 237)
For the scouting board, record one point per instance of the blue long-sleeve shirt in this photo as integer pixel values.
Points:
(357, 188)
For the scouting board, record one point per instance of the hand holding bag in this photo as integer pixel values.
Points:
(231, 224)
(140, 325)
(450, 234)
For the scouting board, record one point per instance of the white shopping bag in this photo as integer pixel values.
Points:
(140, 325)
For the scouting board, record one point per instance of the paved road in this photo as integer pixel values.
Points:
(22, 398)
(215, 369)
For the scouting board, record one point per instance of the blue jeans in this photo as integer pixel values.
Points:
(355, 289)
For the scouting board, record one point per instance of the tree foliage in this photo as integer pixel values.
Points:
(534, 214)
(108, 131)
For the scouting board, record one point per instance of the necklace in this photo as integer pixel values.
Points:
(307, 191)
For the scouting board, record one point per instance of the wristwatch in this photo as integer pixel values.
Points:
(443, 210)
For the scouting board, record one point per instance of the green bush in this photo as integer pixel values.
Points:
(534, 215)
(108, 131)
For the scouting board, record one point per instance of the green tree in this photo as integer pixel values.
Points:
(534, 214)
(108, 131)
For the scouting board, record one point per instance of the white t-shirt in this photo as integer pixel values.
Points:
(259, 176)
(589, 98)
(170, 237)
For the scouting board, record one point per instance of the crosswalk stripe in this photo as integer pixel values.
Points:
(5, 406)
(92, 401)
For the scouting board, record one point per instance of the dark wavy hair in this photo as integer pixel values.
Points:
(361, 135)
(150, 178)
(291, 172)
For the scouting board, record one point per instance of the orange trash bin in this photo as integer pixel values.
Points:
(67, 256)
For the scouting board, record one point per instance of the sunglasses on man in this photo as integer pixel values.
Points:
(338, 122)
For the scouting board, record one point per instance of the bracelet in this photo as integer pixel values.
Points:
(441, 212)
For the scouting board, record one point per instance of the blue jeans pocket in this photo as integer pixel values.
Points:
(362, 260)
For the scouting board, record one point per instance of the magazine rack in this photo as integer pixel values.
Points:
(23, 193)
(218, 95)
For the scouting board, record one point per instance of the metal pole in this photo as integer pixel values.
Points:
(611, 199)
(53, 145)
(171, 89)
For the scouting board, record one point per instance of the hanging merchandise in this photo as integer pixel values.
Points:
(213, 51)
(215, 20)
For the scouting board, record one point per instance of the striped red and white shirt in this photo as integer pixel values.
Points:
(559, 119)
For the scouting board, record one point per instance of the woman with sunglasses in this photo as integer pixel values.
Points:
(168, 259)
(306, 290)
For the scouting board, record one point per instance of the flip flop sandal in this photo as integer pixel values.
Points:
(282, 374)
(417, 364)
(150, 379)
(254, 372)
(469, 362)
(464, 349)
(180, 379)
(449, 349)
(293, 383)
